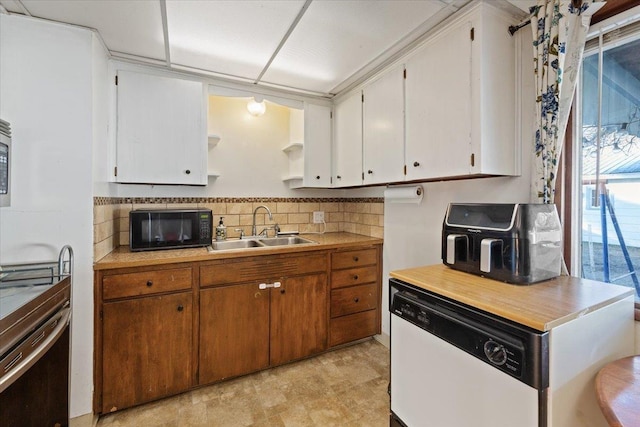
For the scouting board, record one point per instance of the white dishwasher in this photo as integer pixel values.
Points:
(455, 366)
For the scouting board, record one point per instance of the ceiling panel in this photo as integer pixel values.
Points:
(230, 37)
(335, 39)
(335, 44)
(129, 26)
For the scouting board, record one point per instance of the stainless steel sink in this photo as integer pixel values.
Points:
(258, 243)
(235, 244)
(285, 241)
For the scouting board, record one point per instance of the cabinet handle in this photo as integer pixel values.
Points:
(282, 291)
(339, 177)
(257, 295)
(370, 172)
(187, 171)
(355, 277)
(356, 299)
(355, 258)
(317, 176)
(149, 283)
(269, 285)
(180, 307)
(416, 164)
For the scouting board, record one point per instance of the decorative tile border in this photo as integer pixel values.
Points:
(104, 201)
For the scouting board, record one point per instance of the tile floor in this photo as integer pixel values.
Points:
(345, 387)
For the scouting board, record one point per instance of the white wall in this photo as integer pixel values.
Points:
(47, 94)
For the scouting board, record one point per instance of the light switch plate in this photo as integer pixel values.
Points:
(318, 217)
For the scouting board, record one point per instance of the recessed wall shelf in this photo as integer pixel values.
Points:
(213, 140)
(293, 146)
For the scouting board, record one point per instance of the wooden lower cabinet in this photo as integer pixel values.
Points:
(298, 318)
(244, 329)
(146, 349)
(355, 295)
(234, 331)
(162, 330)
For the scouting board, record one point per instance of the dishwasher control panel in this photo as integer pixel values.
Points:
(513, 350)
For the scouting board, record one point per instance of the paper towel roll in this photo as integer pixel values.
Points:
(410, 194)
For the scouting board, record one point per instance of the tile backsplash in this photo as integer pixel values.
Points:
(359, 216)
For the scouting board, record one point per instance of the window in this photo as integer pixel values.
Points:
(608, 130)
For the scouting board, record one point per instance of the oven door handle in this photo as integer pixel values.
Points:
(15, 365)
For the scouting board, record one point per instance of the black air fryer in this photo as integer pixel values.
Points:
(514, 243)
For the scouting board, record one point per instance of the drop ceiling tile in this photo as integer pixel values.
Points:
(230, 37)
(129, 26)
(335, 39)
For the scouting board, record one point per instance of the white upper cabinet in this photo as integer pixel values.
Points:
(383, 128)
(347, 159)
(460, 100)
(438, 94)
(161, 130)
(317, 145)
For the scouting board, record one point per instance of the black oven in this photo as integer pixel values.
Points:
(35, 314)
(169, 228)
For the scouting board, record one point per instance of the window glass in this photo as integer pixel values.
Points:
(610, 169)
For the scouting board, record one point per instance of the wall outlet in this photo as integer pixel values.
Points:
(318, 217)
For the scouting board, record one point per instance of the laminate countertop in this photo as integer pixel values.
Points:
(122, 257)
(541, 306)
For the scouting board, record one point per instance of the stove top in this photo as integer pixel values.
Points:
(21, 284)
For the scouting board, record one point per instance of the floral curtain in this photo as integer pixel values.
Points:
(559, 33)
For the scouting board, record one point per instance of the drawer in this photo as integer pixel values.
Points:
(356, 258)
(353, 327)
(145, 283)
(354, 299)
(261, 268)
(354, 276)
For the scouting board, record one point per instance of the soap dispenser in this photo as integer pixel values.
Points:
(221, 231)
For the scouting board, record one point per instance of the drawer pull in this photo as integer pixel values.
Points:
(180, 307)
(149, 283)
(355, 277)
(356, 299)
(355, 258)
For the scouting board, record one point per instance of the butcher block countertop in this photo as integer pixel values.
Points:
(541, 306)
(122, 257)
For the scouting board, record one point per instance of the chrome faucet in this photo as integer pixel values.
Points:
(253, 226)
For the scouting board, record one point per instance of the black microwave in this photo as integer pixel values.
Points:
(153, 229)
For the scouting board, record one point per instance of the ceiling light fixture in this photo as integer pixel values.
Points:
(256, 108)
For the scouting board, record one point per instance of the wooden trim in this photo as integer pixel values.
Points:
(612, 8)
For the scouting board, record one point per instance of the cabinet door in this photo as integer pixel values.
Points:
(438, 102)
(161, 130)
(317, 146)
(298, 318)
(348, 142)
(234, 331)
(147, 346)
(383, 128)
